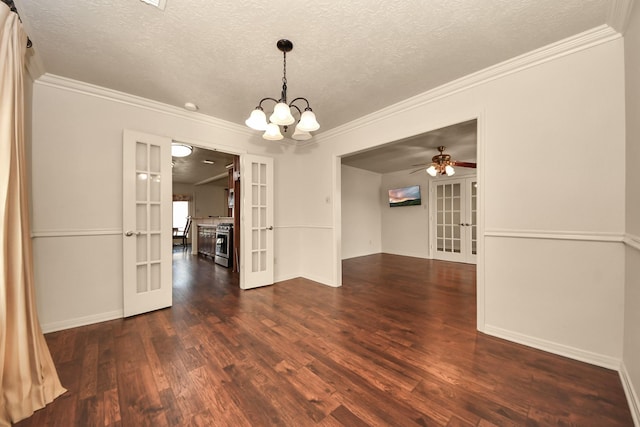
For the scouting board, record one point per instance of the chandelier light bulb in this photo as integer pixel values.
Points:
(282, 115)
(431, 170)
(272, 132)
(257, 120)
(449, 170)
(308, 122)
(300, 135)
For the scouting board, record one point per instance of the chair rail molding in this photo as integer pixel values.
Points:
(588, 236)
(77, 232)
(632, 241)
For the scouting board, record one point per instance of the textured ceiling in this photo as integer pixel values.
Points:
(193, 170)
(460, 141)
(349, 58)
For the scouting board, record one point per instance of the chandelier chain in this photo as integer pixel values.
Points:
(284, 77)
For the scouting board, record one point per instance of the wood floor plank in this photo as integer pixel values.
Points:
(396, 345)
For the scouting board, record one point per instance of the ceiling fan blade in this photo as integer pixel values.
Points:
(421, 164)
(464, 164)
(417, 170)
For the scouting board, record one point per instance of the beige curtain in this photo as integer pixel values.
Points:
(28, 377)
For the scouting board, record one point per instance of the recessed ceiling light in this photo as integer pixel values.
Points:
(208, 162)
(190, 106)
(160, 4)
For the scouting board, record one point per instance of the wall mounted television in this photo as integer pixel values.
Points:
(405, 196)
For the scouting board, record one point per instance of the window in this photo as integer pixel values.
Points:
(180, 214)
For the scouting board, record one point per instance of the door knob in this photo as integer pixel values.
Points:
(131, 233)
(270, 227)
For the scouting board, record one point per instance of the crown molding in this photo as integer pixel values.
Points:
(593, 37)
(59, 82)
(34, 64)
(619, 13)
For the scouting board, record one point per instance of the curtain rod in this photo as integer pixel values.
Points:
(13, 8)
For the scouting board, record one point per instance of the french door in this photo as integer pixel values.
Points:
(256, 262)
(454, 219)
(146, 222)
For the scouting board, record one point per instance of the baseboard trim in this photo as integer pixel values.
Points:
(321, 280)
(81, 321)
(632, 397)
(555, 348)
(285, 277)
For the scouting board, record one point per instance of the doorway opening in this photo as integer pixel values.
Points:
(372, 224)
(367, 225)
(204, 191)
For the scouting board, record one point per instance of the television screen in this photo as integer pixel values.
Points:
(406, 196)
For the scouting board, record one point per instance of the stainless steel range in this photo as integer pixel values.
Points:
(224, 245)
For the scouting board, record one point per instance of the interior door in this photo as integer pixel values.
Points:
(454, 219)
(146, 222)
(256, 261)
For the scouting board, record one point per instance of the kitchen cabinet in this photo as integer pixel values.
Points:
(207, 240)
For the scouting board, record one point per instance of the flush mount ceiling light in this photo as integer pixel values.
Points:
(160, 4)
(281, 115)
(179, 149)
(190, 106)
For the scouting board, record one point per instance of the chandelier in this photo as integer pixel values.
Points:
(441, 164)
(281, 115)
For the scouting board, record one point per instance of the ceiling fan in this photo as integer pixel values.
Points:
(442, 164)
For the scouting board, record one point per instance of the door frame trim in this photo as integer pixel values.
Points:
(480, 116)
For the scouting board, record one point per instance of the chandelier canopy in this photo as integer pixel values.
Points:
(281, 115)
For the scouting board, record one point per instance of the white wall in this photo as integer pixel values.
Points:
(544, 121)
(77, 192)
(207, 199)
(370, 225)
(361, 212)
(405, 230)
(631, 355)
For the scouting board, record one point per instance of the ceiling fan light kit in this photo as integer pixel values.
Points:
(441, 164)
(282, 111)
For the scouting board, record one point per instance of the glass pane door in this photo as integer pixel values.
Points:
(146, 220)
(472, 190)
(454, 231)
(448, 211)
(256, 178)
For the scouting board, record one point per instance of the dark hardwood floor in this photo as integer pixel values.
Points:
(395, 346)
